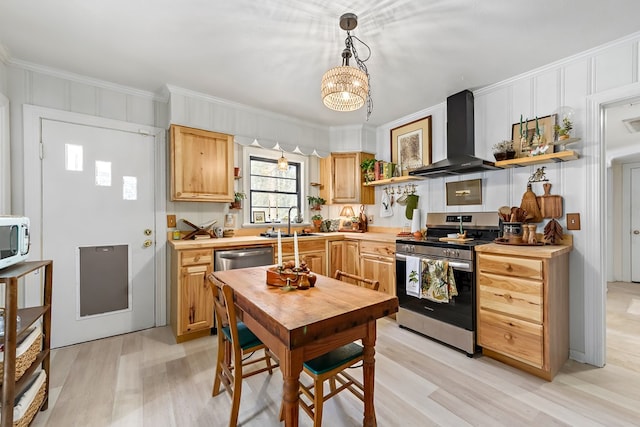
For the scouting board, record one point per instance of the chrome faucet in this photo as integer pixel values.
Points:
(289, 219)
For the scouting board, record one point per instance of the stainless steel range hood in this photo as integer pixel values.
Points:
(460, 142)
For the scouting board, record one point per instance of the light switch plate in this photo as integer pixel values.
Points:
(573, 221)
(171, 221)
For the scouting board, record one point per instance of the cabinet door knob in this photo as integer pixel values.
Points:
(197, 258)
(636, 231)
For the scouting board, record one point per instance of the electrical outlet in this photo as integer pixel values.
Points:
(171, 221)
(370, 218)
(573, 221)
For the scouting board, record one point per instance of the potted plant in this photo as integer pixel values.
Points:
(237, 200)
(564, 131)
(367, 166)
(315, 202)
(317, 221)
(355, 223)
(500, 150)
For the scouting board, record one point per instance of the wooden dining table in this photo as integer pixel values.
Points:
(299, 325)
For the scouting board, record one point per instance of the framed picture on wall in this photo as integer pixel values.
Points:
(258, 217)
(461, 193)
(411, 145)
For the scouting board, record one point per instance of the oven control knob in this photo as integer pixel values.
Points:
(445, 252)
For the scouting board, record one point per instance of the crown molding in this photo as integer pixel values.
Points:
(232, 104)
(4, 54)
(590, 53)
(66, 75)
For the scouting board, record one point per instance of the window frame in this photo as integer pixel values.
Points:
(264, 153)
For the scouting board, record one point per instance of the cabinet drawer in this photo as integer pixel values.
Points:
(512, 266)
(515, 338)
(511, 296)
(196, 256)
(387, 250)
(308, 246)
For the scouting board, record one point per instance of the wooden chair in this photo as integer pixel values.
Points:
(235, 341)
(360, 281)
(332, 366)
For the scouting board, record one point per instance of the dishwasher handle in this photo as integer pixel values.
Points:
(240, 253)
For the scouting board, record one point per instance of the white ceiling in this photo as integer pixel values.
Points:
(271, 54)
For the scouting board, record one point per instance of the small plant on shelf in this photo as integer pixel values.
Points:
(367, 166)
(238, 197)
(316, 202)
(564, 131)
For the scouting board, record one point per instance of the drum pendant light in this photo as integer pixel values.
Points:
(346, 88)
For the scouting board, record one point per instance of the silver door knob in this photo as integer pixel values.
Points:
(147, 243)
(147, 232)
(636, 231)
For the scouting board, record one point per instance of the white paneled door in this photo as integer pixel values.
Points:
(635, 224)
(98, 227)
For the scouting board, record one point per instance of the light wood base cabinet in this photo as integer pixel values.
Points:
(523, 308)
(191, 299)
(344, 255)
(312, 252)
(377, 261)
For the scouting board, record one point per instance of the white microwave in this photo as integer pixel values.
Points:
(14, 240)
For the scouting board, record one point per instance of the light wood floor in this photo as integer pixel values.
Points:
(145, 379)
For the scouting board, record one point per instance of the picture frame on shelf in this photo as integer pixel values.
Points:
(258, 217)
(411, 145)
(545, 124)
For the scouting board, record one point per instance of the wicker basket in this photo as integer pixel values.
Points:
(33, 408)
(24, 360)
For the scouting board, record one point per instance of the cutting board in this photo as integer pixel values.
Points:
(455, 239)
(550, 204)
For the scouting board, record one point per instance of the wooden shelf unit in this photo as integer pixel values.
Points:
(561, 156)
(28, 316)
(394, 180)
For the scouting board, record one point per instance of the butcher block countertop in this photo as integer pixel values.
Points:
(245, 241)
(546, 251)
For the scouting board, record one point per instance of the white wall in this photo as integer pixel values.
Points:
(30, 84)
(246, 124)
(539, 92)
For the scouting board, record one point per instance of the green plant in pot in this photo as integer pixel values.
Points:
(564, 131)
(315, 202)
(367, 166)
(238, 197)
(317, 221)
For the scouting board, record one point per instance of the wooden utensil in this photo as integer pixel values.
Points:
(530, 204)
(550, 205)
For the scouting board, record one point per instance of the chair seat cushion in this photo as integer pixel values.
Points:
(245, 336)
(334, 358)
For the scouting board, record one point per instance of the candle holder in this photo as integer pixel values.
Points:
(290, 279)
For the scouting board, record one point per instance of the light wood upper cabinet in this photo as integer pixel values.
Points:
(201, 165)
(342, 180)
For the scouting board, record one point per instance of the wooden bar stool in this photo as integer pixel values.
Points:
(235, 341)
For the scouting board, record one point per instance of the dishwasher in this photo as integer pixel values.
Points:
(241, 258)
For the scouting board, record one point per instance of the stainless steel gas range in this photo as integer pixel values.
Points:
(451, 320)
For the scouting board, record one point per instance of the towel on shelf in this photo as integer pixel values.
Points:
(438, 282)
(412, 276)
(385, 208)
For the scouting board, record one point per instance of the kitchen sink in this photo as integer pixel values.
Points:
(275, 234)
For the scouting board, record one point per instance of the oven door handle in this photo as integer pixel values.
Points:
(461, 265)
